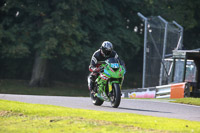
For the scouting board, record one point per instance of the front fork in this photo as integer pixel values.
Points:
(110, 84)
(102, 87)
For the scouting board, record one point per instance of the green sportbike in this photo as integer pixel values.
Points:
(108, 83)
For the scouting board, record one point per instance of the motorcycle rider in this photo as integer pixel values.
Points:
(106, 51)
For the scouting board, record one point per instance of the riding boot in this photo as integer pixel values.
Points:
(91, 81)
(91, 85)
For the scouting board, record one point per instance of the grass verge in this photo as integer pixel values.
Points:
(57, 88)
(22, 117)
(191, 101)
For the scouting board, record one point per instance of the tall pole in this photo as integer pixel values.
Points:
(145, 45)
(164, 48)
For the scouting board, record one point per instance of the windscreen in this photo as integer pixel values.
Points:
(114, 63)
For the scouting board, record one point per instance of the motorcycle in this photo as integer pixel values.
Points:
(108, 83)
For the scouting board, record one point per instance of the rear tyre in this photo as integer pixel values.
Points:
(95, 99)
(116, 98)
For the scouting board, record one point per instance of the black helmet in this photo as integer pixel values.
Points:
(106, 48)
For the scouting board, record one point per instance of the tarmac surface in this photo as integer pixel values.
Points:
(152, 107)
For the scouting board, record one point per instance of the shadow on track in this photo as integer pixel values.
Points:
(132, 109)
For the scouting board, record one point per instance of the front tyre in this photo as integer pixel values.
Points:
(95, 99)
(116, 98)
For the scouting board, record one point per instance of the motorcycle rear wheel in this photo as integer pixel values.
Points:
(95, 99)
(116, 98)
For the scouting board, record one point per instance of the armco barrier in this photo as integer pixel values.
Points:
(178, 90)
(139, 93)
(163, 91)
(171, 91)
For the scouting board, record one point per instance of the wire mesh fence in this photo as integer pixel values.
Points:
(154, 51)
(160, 42)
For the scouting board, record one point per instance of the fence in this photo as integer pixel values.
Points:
(160, 38)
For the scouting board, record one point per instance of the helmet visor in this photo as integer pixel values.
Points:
(106, 52)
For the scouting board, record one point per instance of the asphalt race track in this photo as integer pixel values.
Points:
(152, 107)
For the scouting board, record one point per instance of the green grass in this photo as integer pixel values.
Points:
(18, 117)
(191, 101)
(58, 88)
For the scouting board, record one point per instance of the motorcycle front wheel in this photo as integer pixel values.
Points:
(95, 99)
(116, 97)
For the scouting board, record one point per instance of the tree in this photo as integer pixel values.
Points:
(64, 34)
(45, 28)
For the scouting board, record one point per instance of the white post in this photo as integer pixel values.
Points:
(145, 45)
(164, 49)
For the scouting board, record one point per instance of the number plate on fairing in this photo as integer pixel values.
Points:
(114, 65)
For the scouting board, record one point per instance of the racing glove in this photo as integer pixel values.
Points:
(97, 69)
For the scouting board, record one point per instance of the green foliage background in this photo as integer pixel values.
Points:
(67, 32)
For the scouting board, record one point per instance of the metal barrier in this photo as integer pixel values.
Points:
(163, 91)
(177, 90)
(139, 93)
